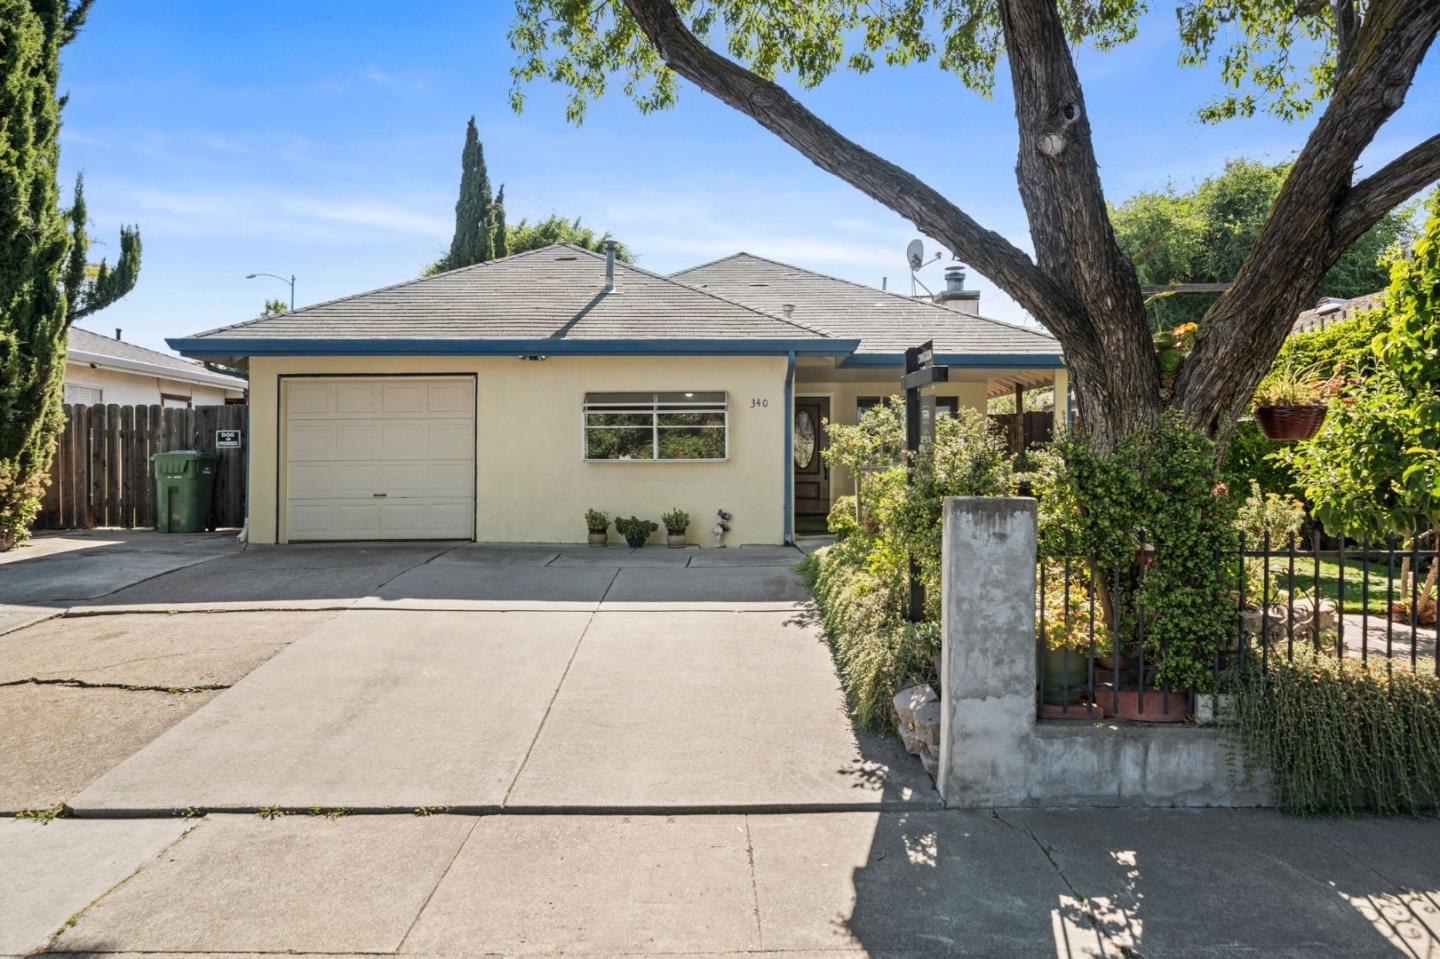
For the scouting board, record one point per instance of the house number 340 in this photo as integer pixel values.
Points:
(756, 401)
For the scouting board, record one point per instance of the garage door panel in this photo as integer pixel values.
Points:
(357, 397)
(322, 520)
(412, 440)
(305, 397)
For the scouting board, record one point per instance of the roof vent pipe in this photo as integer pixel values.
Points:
(788, 309)
(117, 332)
(609, 266)
(955, 278)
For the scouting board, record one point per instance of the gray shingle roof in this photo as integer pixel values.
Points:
(94, 344)
(884, 322)
(556, 292)
(1331, 311)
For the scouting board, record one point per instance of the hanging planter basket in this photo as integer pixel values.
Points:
(1290, 422)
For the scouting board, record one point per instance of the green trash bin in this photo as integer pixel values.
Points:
(184, 482)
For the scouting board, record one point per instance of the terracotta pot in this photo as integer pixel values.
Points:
(599, 537)
(675, 540)
(1290, 422)
(1126, 705)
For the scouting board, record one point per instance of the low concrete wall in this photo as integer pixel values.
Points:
(993, 750)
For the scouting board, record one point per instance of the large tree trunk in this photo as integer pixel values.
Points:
(1080, 285)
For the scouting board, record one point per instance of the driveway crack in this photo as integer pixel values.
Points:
(525, 760)
(127, 687)
(1096, 922)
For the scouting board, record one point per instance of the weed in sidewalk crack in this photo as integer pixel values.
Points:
(44, 816)
(431, 810)
(190, 812)
(270, 812)
(334, 812)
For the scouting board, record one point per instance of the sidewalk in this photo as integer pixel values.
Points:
(1013, 883)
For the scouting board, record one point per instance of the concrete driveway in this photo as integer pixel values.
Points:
(475, 678)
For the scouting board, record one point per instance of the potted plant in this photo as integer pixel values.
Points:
(635, 530)
(676, 522)
(598, 523)
(1064, 649)
(1289, 405)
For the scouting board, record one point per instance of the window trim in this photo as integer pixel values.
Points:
(656, 408)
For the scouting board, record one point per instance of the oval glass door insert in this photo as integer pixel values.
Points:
(804, 441)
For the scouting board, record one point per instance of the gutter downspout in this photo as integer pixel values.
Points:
(788, 497)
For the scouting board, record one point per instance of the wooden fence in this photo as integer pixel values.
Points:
(1036, 428)
(102, 476)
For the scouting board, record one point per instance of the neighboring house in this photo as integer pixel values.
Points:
(1331, 310)
(499, 401)
(99, 369)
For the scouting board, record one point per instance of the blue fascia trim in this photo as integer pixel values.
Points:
(788, 428)
(973, 361)
(208, 347)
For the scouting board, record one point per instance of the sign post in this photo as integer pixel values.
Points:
(921, 374)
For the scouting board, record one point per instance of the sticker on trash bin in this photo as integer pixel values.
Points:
(227, 439)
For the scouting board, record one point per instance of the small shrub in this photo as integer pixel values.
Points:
(1337, 735)
(676, 521)
(596, 521)
(634, 526)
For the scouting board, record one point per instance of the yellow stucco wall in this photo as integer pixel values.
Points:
(532, 484)
(845, 395)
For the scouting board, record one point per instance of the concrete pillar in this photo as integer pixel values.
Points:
(988, 625)
(1062, 400)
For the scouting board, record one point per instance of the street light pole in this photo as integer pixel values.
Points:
(276, 276)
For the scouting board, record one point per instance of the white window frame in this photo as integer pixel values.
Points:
(71, 388)
(649, 401)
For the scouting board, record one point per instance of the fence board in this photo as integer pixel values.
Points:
(101, 474)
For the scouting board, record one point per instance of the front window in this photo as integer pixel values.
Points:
(656, 426)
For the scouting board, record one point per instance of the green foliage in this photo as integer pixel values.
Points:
(676, 521)
(90, 287)
(1204, 234)
(1285, 385)
(1251, 457)
(33, 247)
(1374, 468)
(499, 231)
(274, 307)
(557, 229)
(1264, 48)
(474, 239)
(859, 595)
(860, 584)
(1272, 515)
(634, 526)
(1156, 491)
(1335, 734)
(596, 521)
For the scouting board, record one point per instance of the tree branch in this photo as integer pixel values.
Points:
(1301, 238)
(1385, 189)
(780, 113)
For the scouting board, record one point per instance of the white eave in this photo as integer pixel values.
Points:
(197, 375)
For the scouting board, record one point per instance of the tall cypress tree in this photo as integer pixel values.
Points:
(89, 286)
(33, 247)
(473, 242)
(497, 225)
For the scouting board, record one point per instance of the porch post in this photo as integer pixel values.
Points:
(1062, 401)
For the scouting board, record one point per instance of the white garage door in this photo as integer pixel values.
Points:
(382, 458)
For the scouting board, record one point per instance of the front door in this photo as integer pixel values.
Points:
(812, 476)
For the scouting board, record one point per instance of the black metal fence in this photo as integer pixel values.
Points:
(1372, 602)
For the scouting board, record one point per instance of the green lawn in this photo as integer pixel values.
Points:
(1355, 574)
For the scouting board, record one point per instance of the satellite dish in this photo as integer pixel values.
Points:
(915, 253)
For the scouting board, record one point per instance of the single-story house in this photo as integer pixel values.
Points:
(1331, 310)
(499, 401)
(99, 369)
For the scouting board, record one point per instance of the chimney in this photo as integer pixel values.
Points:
(609, 266)
(955, 296)
(788, 309)
(117, 332)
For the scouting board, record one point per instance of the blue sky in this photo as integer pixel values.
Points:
(323, 139)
